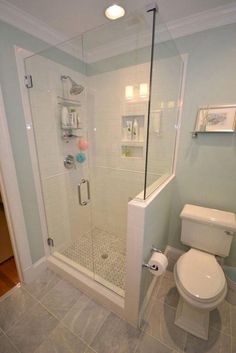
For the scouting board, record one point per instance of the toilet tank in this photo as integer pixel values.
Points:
(208, 229)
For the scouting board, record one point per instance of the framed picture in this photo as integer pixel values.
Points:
(216, 119)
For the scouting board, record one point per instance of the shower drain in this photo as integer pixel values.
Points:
(104, 256)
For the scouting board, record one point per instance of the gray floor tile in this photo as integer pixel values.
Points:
(6, 346)
(116, 336)
(217, 343)
(160, 324)
(85, 318)
(90, 350)
(61, 340)
(233, 320)
(220, 318)
(14, 306)
(42, 284)
(167, 291)
(33, 328)
(61, 298)
(233, 344)
(149, 344)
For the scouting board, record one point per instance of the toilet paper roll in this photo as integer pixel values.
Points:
(158, 263)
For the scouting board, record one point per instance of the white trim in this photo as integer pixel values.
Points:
(201, 21)
(21, 54)
(28, 23)
(11, 198)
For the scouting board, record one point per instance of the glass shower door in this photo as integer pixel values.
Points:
(58, 108)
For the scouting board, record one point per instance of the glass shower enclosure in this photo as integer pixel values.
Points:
(103, 136)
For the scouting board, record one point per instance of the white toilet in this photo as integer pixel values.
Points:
(199, 278)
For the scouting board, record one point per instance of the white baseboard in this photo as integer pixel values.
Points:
(173, 253)
(31, 273)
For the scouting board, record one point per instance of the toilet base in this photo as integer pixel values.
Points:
(192, 320)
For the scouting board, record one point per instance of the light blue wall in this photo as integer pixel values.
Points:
(206, 167)
(10, 36)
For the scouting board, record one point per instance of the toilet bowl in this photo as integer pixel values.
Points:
(199, 278)
(202, 287)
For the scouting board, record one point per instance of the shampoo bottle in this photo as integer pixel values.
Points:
(64, 118)
(135, 130)
(129, 130)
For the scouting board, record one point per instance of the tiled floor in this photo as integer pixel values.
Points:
(102, 253)
(51, 316)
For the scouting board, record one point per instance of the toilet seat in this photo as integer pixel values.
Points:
(200, 277)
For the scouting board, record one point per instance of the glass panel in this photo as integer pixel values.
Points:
(56, 136)
(164, 98)
(118, 63)
(112, 64)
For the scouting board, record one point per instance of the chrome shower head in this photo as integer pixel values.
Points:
(75, 87)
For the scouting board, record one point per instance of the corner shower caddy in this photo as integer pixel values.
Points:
(69, 103)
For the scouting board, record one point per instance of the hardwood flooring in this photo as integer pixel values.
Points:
(8, 275)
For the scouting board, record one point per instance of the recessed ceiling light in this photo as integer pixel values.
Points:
(114, 11)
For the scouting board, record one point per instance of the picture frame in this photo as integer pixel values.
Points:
(216, 119)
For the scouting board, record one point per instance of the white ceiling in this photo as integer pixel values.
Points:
(71, 17)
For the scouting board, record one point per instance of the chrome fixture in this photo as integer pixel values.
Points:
(75, 87)
(69, 161)
(153, 267)
(83, 181)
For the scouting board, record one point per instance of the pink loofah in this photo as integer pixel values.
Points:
(83, 144)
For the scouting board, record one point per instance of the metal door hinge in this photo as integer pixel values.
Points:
(50, 242)
(28, 81)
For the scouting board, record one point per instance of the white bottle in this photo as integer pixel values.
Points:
(129, 130)
(64, 118)
(135, 130)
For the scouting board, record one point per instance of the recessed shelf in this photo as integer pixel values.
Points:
(132, 143)
(132, 151)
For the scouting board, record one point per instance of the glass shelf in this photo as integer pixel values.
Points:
(68, 102)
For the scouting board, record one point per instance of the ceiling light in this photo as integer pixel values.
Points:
(114, 11)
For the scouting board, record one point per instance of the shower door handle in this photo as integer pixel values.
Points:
(84, 181)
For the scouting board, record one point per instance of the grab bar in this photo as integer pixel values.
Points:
(83, 181)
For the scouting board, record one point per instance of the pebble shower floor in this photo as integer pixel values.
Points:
(102, 253)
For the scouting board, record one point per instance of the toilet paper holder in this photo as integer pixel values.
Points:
(152, 267)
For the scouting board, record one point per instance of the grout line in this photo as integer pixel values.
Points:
(12, 343)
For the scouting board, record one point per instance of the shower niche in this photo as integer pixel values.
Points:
(132, 136)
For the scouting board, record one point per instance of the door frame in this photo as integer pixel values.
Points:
(21, 54)
(12, 201)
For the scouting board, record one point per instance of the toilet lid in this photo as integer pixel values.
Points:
(200, 274)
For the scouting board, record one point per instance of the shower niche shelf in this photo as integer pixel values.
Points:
(132, 148)
(68, 102)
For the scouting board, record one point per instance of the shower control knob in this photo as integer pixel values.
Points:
(69, 161)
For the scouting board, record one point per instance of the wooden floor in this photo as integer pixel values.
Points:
(8, 275)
